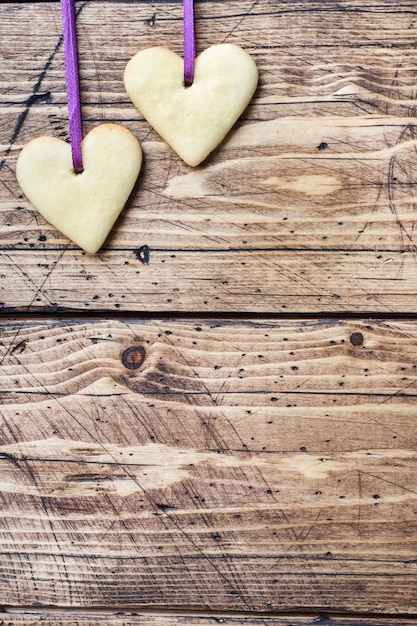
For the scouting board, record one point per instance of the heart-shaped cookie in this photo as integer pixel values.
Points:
(192, 120)
(82, 206)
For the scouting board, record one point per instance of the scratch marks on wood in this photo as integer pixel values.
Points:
(274, 461)
(243, 16)
(120, 469)
(339, 77)
(35, 97)
(399, 171)
(96, 468)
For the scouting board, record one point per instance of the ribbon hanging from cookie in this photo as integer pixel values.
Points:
(80, 188)
(189, 42)
(192, 103)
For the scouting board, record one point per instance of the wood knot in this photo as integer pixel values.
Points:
(133, 357)
(356, 339)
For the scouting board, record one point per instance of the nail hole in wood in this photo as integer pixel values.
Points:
(143, 254)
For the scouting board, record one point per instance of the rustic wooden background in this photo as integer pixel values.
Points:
(213, 420)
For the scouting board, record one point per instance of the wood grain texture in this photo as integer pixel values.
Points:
(217, 471)
(94, 618)
(242, 282)
(311, 198)
(210, 465)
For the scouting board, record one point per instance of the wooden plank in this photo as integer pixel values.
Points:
(316, 180)
(94, 618)
(242, 281)
(257, 466)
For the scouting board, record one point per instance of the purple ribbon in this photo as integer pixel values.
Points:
(73, 84)
(189, 42)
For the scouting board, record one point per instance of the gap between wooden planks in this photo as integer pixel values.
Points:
(258, 466)
(309, 204)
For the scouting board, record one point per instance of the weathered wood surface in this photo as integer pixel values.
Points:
(264, 467)
(209, 465)
(93, 618)
(309, 205)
